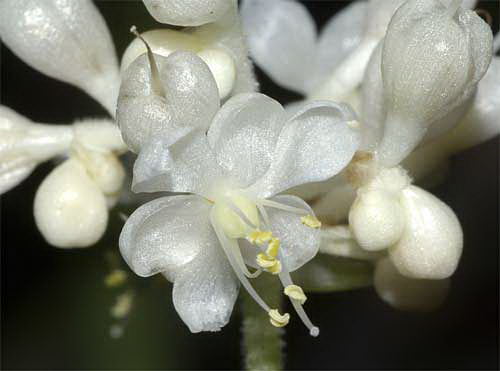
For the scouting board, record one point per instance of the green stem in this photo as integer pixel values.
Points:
(262, 342)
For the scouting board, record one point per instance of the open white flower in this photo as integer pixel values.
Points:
(253, 150)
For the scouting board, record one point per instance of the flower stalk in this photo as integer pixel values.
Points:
(262, 343)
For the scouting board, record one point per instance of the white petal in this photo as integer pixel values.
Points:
(191, 99)
(166, 234)
(192, 13)
(243, 135)
(339, 37)
(482, 121)
(317, 143)
(339, 241)
(65, 39)
(373, 109)
(479, 125)
(205, 290)
(282, 40)
(431, 244)
(24, 144)
(298, 243)
(189, 165)
(406, 293)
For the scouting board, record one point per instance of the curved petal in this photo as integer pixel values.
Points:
(243, 135)
(189, 99)
(317, 143)
(182, 13)
(298, 243)
(189, 165)
(67, 40)
(166, 234)
(205, 290)
(339, 37)
(282, 38)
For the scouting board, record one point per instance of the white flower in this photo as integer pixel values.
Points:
(67, 40)
(253, 150)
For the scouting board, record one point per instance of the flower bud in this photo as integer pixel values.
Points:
(70, 209)
(431, 244)
(24, 144)
(406, 293)
(164, 42)
(194, 13)
(376, 219)
(67, 40)
(433, 57)
(165, 97)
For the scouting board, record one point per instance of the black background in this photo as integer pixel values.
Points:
(55, 306)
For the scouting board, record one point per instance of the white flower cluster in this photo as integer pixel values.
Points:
(392, 88)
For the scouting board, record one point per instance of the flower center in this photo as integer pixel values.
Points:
(235, 216)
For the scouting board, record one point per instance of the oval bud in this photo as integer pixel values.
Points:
(433, 57)
(70, 209)
(431, 244)
(67, 40)
(376, 219)
(164, 42)
(165, 97)
(406, 293)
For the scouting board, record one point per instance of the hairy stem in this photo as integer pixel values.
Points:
(262, 343)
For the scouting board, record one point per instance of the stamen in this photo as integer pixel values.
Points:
(264, 214)
(277, 205)
(310, 221)
(259, 237)
(156, 85)
(295, 292)
(277, 319)
(236, 268)
(232, 245)
(268, 263)
(115, 278)
(286, 281)
(273, 247)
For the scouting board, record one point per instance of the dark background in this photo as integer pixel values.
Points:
(55, 307)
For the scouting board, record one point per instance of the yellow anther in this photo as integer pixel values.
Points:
(115, 278)
(122, 306)
(277, 319)
(265, 261)
(273, 247)
(276, 268)
(310, 221)
(259, 237)
(295, 292)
